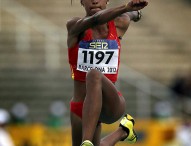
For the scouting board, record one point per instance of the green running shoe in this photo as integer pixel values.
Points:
(127, 123)
(87, 143)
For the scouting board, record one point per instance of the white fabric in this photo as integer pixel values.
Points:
(98, 55)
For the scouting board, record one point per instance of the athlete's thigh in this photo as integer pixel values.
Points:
(76, 124)
(113, 105)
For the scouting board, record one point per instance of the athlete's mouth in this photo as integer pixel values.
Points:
(95, 8)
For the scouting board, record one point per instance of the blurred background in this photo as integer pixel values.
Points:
(35, 82)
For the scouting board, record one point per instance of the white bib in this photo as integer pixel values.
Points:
(102, 55)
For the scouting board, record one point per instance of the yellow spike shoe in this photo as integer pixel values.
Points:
(127, 123)
(87, 143)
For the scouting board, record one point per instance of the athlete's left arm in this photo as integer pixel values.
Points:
(122, 22)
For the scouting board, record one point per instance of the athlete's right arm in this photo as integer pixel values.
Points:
(79, 25)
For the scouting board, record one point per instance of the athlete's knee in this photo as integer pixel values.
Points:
(94, 75)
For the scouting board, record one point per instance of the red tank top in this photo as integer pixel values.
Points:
(100, 54)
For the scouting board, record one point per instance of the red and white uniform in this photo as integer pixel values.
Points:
(100, 54)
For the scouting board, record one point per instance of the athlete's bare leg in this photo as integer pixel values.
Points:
(76, 125)
(102, 102)
(113, 138)
(109, 140)
(76, 128)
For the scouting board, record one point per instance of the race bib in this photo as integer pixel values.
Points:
(98, 54)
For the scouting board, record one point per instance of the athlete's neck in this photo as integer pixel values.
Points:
(100, 31)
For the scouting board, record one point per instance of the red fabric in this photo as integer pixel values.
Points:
(76, 107)
(73, 54)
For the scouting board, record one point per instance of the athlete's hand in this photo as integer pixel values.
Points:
(135, 5)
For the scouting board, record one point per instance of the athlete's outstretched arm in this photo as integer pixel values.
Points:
(76, 26)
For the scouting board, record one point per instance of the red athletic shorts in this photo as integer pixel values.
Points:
(76, 107)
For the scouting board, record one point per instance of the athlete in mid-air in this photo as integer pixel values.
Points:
(94, 57)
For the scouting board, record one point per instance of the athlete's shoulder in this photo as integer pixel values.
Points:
(72, 21)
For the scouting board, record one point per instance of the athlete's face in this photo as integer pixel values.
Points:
(93, 6)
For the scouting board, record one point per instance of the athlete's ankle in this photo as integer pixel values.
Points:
(124, 133)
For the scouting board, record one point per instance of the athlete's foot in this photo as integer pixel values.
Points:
(127, 124)
(87, 143)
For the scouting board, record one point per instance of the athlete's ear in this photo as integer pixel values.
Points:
(81, 3)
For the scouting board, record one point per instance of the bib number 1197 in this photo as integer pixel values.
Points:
(97, 57)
